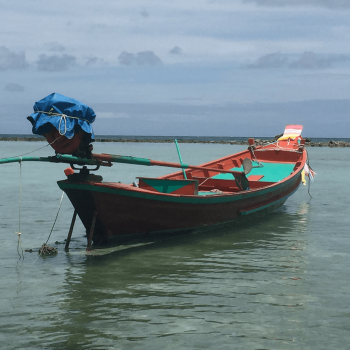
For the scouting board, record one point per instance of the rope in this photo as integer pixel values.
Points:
(19, 245)
(20, 195)
(278, 148)
(309, 182)
(59, 207)
(49, 144)
(204, 181)
(63, 117)
(256, 159)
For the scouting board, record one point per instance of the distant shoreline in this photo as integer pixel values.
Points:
(308, 142)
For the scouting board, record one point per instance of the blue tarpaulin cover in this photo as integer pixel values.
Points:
(62, 112)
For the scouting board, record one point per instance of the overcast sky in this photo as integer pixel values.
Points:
(187, 67)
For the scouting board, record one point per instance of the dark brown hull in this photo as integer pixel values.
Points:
(124, 211)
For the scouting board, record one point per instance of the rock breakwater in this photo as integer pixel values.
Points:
(308, 143)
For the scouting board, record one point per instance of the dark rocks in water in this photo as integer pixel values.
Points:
(277, 137)
(15, 138)
(338, 144)
(259, 142)
(47, 250)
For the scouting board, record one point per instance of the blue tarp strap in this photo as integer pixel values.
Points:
(63, 117)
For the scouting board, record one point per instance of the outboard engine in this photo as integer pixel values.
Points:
(65, 123)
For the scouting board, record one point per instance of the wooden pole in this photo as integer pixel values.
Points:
(180, 158)
(92, 229)
(70, 230)
(111, 158)
(108, 159)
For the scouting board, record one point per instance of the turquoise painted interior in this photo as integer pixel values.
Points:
(164, 185)
(273, 172)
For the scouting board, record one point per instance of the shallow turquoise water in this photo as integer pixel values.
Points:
(279, 281)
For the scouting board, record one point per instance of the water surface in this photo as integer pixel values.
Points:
(279, 281)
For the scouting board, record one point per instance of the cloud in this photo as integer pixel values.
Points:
(12, 60)
(331, 4)
(310, 60)
(126, 58)
(176, 50)
(12, 87)
(93, 60)
(143, 58)
(268, 119)
(55, 46)
(144, 13)
(272, 60)
(55, 63)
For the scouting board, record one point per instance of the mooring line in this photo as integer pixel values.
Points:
(59, 208)
(19, 245)
(308, 164)
(49, 144)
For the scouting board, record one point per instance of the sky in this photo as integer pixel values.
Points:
(184, 68)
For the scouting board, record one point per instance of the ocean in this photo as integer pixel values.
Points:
(275, 281)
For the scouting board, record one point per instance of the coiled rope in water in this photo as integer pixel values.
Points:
(47, 250)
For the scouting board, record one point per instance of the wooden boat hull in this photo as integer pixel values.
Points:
(125, 211)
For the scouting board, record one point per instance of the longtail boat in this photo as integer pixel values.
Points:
(260, 178)
(212, 193)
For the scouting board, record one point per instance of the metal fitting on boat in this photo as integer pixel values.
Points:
(251, 143)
